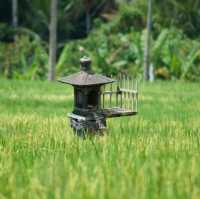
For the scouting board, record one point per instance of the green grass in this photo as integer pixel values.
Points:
(153, 155)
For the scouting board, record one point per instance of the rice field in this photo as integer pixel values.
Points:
(153, 155)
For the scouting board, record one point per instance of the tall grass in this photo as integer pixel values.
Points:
(152, 155)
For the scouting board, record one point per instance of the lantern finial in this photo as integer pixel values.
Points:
(85, 64)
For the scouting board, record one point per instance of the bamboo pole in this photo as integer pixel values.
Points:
(136, 102)
(111, 90)
(103, 96)
(129, 94)
(133, 96)
(117, 92)
(121, 104)
(125, 93)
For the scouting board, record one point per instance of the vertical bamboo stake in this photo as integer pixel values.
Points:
(133, 95)
(127, 86)
(121, 105)
(103, 96)
(125, 93)
(136, 102)
(111, 95)
(124, 81)
(117, 92)
(102, 92)
(99, 100)
(129, 94)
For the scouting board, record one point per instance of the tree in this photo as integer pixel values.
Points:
(53, 39)
(14, 13)
(148, 42)
(88, 15)
(14, 25)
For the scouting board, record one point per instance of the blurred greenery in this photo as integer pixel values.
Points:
(115, 43)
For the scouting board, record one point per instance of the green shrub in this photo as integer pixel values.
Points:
(173, 55)
(27, 58)
(6, 33)
(110, 54)
(131, 18)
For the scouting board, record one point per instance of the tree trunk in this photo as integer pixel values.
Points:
(53, 39)
(14, 25)
(88, 4)
(148, 42)
(88, 22)
(14, 13)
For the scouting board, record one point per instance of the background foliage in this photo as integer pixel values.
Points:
(116, 42)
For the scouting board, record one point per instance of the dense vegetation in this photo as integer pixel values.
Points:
(116, 42)
(152, 155)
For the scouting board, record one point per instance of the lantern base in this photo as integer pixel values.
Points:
(83, 125)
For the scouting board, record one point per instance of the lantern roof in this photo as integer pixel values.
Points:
(86, 77)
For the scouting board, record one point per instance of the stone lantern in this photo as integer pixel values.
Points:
(89, 114)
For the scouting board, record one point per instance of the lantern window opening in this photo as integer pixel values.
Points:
(79, 100)
(93, 99)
